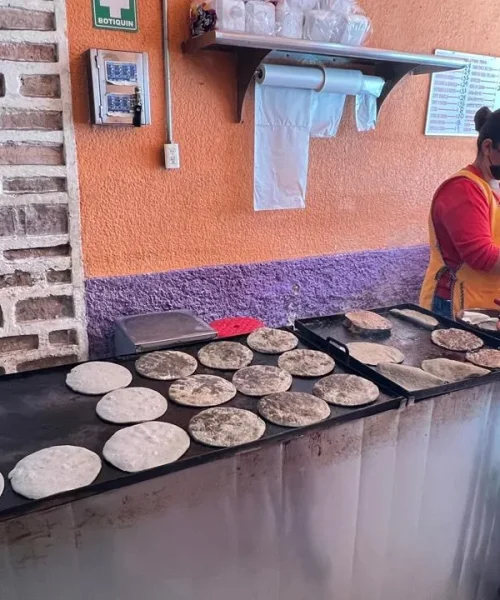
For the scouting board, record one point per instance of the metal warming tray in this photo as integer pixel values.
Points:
(37, 410)
(329, 334)
(156, 331)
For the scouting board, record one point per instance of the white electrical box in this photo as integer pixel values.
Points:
(119, 83)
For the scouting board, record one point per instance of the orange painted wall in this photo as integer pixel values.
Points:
(365, 190)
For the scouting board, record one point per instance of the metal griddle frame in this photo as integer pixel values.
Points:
(339, 351)
(200, 454)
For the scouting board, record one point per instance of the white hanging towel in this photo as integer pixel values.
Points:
(281, 150)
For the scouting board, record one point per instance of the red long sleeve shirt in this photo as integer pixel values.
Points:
(461, 217)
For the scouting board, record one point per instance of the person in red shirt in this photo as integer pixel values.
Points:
(463, 219)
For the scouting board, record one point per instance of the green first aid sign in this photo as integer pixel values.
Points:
(115, 14)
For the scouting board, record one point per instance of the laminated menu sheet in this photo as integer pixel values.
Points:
(455, 96)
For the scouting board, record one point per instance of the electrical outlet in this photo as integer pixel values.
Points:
(172, 158)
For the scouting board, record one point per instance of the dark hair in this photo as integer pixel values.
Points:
(488, 126)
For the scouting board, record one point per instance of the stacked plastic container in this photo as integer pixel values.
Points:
(333, 21)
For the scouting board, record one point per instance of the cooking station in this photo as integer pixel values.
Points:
(396, 499)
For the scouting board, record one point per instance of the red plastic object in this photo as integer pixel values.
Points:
(233, 326)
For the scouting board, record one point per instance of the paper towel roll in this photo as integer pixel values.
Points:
(260, 18)
(342, 81)
(289, 21)
(324, 26)
(305, 78)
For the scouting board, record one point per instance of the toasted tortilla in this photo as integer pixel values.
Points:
(452, 370)
(487, 358)
(293, 409)
(367, 322)
(346, 390)
(456, 340)
(373, 354)
(306, 363)
(410, 378)
(416, 317)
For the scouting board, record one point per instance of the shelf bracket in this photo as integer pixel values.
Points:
(392, 74)
(247, 62)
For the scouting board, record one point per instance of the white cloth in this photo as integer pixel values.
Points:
(281, 150)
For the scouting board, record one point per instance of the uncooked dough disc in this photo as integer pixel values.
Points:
(146, 446)
(306, 363)
(487, 358)
(365, 321)
(346, 390)
(96, 378)
(410, 378)
(374, 354)
(2, 484)
(414, 316)
(457, 340)
(225, 356)
(54, 470)
(202, 390)
(272, 341)
(131, 405)
(293, 409)
(166, 365)
(261, 380)
(225, 426)
(452, 370)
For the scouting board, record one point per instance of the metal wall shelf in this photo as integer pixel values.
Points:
(252, 50)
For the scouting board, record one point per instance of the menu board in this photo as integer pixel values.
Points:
(455, 96)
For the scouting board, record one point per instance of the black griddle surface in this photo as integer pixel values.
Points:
(38, 410)
(413, 340)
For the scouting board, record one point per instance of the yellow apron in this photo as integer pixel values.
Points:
(470, 288)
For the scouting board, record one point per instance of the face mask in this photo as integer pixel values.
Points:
(494, 170)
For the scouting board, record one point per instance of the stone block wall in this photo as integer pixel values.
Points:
(42, 314)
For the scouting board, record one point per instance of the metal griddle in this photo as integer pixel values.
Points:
(38, 410)
(414, 341)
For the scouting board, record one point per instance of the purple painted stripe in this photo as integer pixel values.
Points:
(274, 292)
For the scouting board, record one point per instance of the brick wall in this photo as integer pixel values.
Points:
(42, 318)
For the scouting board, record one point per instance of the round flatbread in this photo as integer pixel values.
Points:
(54, 470)
(474, 318)
(166, 365)
(261, 380)
(96, 378)
(487, 358)
(271, 341)
(452, 370)
(414, 316)
(202, 390)
(293, 409)
(374, 354)
(131, 405)
(146, 446)
(457, 340)
(365, 321)
(490, 325)
(346, 390)
(306, 363)
(223, 427)
(2, 484)
(225, 356)
(410, 378)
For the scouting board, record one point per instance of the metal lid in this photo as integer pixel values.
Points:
(165, 328)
